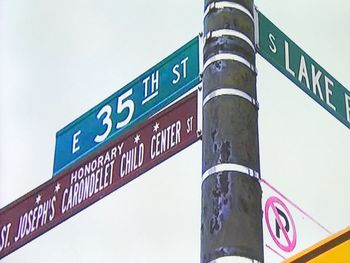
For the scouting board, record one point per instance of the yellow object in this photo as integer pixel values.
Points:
(335, 248)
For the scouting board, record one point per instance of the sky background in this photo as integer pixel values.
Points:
(58, 59)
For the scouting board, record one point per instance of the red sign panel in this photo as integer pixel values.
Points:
(109, 168)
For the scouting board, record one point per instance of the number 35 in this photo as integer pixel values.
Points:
(122, 104)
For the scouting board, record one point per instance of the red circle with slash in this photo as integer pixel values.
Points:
(287, 241)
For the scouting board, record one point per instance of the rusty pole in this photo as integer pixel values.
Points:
(231, 222)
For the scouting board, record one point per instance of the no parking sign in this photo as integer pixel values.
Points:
(288, 229)
(280, 224)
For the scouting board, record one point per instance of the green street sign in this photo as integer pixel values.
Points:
(306, 73)
(129, 106)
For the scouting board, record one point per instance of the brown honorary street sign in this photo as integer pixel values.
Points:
(105, 171)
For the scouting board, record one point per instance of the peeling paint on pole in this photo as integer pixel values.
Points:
(231, 223)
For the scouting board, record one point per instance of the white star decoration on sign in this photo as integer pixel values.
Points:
(38, 199)
(156, 127)
(57, 187)
(137, 138)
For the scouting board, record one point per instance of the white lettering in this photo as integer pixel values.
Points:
(152, 149)
(122, 169)
(64, 208)
(172, 135)
(287, 63)
(145, 84)
(4, 237)
(31, 220)
(189, 124)
(347, 105)
(87, 186)
(328, 85)
(154, 78)
(43, 214)
(155, 81)
(165, 139)
(75, 142)
(120, 147)
(114, 153)
(31, 227)
(303, 72)
(176, 72)
(184, 63)
(316, 81)
(132, 159)
(151, 85)
(272, 46)
(125, 103)
(107, 121)
(52, 215)
(40, 214)
(80, 173)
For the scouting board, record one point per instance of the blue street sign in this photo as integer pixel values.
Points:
(141, 98)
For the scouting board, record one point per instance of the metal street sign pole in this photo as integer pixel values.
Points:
(132, 104)
(231, 221)
(108, 169)
(300, 68)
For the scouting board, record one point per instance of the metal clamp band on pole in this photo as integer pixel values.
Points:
(229, 56)
(230, 167)
(256, 27)
(234, 92)
(234, 259)
(231, 33)
(225, 4)
(230, 152)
